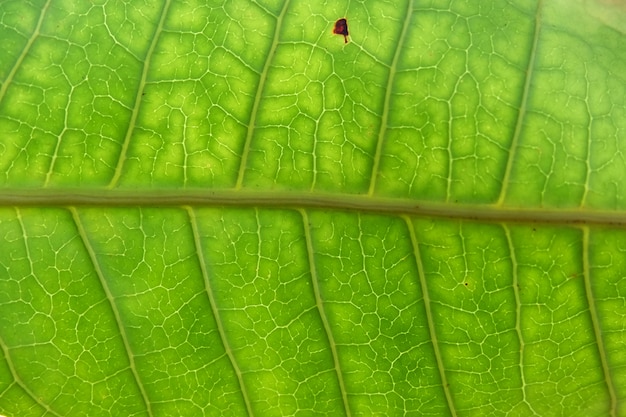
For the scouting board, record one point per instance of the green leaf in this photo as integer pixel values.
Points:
(221, 208)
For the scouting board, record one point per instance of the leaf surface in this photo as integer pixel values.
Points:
(221, 208)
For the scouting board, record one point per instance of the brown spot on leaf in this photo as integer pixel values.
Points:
(341, 28)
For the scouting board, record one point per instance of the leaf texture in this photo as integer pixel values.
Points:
(221, 208)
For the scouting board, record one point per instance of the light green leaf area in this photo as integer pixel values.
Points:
(223, 208)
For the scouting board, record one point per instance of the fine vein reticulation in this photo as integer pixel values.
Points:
(388, 90)
(521, 115)
(111, 300)
(6, 351)
(138, 98)
(429, 318)
(258, 96)
(34, 35)
(593, 311)
(216, 313)
(320, 307)
(518, 318)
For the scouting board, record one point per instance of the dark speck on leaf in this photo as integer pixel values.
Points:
(341, 28)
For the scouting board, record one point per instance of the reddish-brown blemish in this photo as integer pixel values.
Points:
(341, 28)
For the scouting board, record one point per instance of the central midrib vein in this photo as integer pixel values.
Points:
(300, 199)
